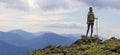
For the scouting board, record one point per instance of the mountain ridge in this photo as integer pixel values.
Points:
(9, 49)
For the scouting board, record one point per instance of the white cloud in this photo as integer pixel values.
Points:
(45, 6)
(66, 25)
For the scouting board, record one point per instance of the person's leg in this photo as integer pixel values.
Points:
(88, 26)
(92, 24)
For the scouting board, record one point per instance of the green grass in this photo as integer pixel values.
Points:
(83, 47)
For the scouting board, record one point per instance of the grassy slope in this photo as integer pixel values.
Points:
(83, 47)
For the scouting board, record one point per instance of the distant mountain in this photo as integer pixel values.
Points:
(41, 33)
(16, 38)
(72, 36)
(23, 38)
(12, 38)
(8, 49)
(24, 34)
(50, 39)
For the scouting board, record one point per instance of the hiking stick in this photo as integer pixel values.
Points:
(97, 26)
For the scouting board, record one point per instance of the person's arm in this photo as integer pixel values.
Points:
(94, 16)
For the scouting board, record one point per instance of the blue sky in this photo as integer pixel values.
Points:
(60, 16)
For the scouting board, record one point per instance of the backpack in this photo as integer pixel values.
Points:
(91, 16)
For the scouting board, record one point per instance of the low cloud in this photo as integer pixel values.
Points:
(17, 4)
(66, 25)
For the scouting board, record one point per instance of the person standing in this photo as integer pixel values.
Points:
(90, 21)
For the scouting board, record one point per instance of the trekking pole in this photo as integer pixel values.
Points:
(97, 26)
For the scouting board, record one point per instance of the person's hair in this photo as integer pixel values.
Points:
(90, 8)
